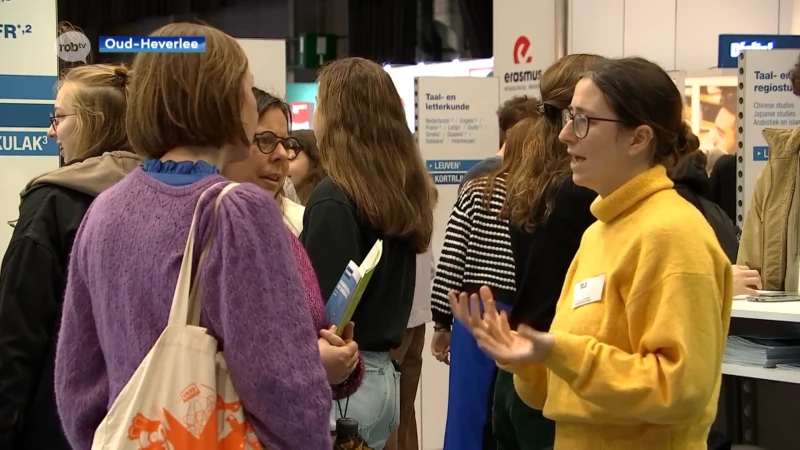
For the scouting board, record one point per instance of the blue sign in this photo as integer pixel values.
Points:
(451, 165)
(152, 44)
(28, 87)
(732, 45)
(450, 171)
(27, 143)
(448, 178)
(25, 115)
(760, 153)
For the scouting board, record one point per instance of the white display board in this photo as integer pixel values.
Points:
(267, 59)
(28, 75)
(524, 44)
(403, 78)
(765, 101)
(457, 128)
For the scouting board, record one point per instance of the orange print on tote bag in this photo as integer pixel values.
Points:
(181, 396)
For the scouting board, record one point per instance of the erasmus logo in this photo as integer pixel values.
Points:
(521, 48)
(523, 79)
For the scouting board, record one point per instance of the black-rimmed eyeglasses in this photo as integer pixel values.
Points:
(268, 141)
(580, 122)
(54, 118)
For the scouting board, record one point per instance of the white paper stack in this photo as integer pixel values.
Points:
(763, 351)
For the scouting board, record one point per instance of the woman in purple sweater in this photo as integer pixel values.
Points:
(192, 114)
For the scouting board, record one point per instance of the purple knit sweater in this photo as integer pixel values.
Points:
(122, 277)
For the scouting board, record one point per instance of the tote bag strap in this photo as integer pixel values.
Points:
(185, 308)
(194, 294)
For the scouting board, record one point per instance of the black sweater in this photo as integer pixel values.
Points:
(722, 185)
(333, 235)
(543, 257)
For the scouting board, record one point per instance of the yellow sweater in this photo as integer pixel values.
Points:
(640, 327)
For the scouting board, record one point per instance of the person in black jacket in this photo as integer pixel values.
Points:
(722, 185)
(692, 183)
(89, 125)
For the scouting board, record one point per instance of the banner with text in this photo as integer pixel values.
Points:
(765, 101)
(403, 78)
(456, 123)
(524, 44)
(27, 91)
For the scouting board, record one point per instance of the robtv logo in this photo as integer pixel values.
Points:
(521, 48)
(73, 46)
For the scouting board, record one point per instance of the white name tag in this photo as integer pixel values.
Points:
(588, 291)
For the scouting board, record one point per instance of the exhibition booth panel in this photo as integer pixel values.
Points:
(27, 93)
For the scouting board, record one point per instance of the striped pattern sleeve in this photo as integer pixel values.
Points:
(476, 248)
(453, 258)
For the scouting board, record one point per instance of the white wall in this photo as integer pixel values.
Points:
(267, 59)
(678, 34)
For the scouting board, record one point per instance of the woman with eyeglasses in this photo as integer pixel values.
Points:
(268, 163)
(633, 357)
(267, 167)
(88, 124)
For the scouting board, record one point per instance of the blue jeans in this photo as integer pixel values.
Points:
(376, 404)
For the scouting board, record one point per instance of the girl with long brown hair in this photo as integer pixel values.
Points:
(377, 188)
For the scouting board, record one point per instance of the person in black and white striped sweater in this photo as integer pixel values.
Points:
(476, 252)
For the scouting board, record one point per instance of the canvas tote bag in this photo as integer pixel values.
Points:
(181, 397)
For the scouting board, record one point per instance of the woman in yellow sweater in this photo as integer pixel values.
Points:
(633, 357)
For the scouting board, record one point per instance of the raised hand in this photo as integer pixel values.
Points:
(466, 310)
(493, 332)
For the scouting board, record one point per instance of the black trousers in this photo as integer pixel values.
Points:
(516, 425)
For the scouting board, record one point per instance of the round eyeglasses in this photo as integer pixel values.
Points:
(268, 141)
(580, 122)
(54, 119)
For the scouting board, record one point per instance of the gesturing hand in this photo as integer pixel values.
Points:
(339, 356)
(493, 332)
